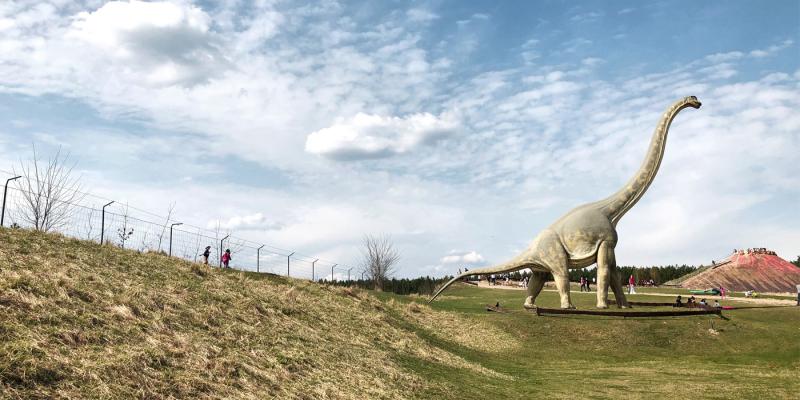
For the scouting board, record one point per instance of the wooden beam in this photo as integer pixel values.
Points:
(626, 314)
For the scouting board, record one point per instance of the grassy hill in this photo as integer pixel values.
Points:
(78, 320)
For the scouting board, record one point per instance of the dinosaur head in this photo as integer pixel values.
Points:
(692, 101)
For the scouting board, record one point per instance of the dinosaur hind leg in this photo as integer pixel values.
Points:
(616, 287)
(535, 287)
(553, 256)
(605, 259)
(562, 283)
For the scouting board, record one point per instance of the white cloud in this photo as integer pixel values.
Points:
(592, 61)
(722, 57)
(421, 15)
(166, 42)
(540, 141)
(587, 17)
(373, 136)
(473, 18)
(463, 257)
(252, 221)
(761, 53)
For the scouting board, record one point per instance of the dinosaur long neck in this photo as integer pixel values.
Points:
(616, 205)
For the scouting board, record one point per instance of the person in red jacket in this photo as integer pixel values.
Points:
(631, 285)
(226, 258)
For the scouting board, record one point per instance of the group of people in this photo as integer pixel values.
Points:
(691, 302)
(504, 279)
(225, 259)
(586, 284)
(759, 250)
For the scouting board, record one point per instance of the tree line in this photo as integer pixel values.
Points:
(427, 285)
(659, 274)
(422, 285)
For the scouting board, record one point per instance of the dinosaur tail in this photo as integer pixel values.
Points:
(511, 266)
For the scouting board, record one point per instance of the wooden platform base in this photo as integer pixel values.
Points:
(625, 314)
(648, 304)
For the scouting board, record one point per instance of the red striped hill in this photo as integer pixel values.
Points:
(760, 270)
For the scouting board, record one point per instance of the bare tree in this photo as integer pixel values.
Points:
(170, 210)
(379, 259)
(124, 232)
(145, 245)
(89, 226)
(49, 191)
(198, 246)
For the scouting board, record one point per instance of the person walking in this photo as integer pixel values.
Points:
(798, 295)
(206, 254)
(631, 285)
(583, 283)
(226, 258)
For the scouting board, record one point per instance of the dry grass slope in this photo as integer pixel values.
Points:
(79, 320)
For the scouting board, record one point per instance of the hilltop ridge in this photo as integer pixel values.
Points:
(763, 271)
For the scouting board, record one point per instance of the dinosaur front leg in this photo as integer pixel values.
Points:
(604, 253)
(534, 288)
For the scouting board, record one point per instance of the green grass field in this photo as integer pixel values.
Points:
(755, 353)
(79, 320)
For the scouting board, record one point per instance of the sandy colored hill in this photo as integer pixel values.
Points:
(79, 320)
(763, 272)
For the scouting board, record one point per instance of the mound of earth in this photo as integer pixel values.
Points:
(759, 271)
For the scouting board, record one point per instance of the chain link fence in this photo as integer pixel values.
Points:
(127, 227)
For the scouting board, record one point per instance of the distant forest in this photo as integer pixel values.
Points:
(422, 285)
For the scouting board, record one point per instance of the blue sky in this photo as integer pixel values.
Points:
(461, 128)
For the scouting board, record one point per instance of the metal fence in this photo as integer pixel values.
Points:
(102, 220)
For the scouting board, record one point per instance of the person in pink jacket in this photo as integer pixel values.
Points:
(226, 258)
(631, 285)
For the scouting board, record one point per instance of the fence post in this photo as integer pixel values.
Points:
(288, 259)
(258, 259)
(332, 267)
(219, 261)
(170, 236)
(313, 276)
(5, 190)
(103, 223)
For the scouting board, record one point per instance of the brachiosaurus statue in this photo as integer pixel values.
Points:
(588, 233)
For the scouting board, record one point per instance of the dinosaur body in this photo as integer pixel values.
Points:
(587, 234)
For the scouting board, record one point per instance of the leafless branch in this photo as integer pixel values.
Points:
(170, 210)
(379, 258)
(49, 191)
